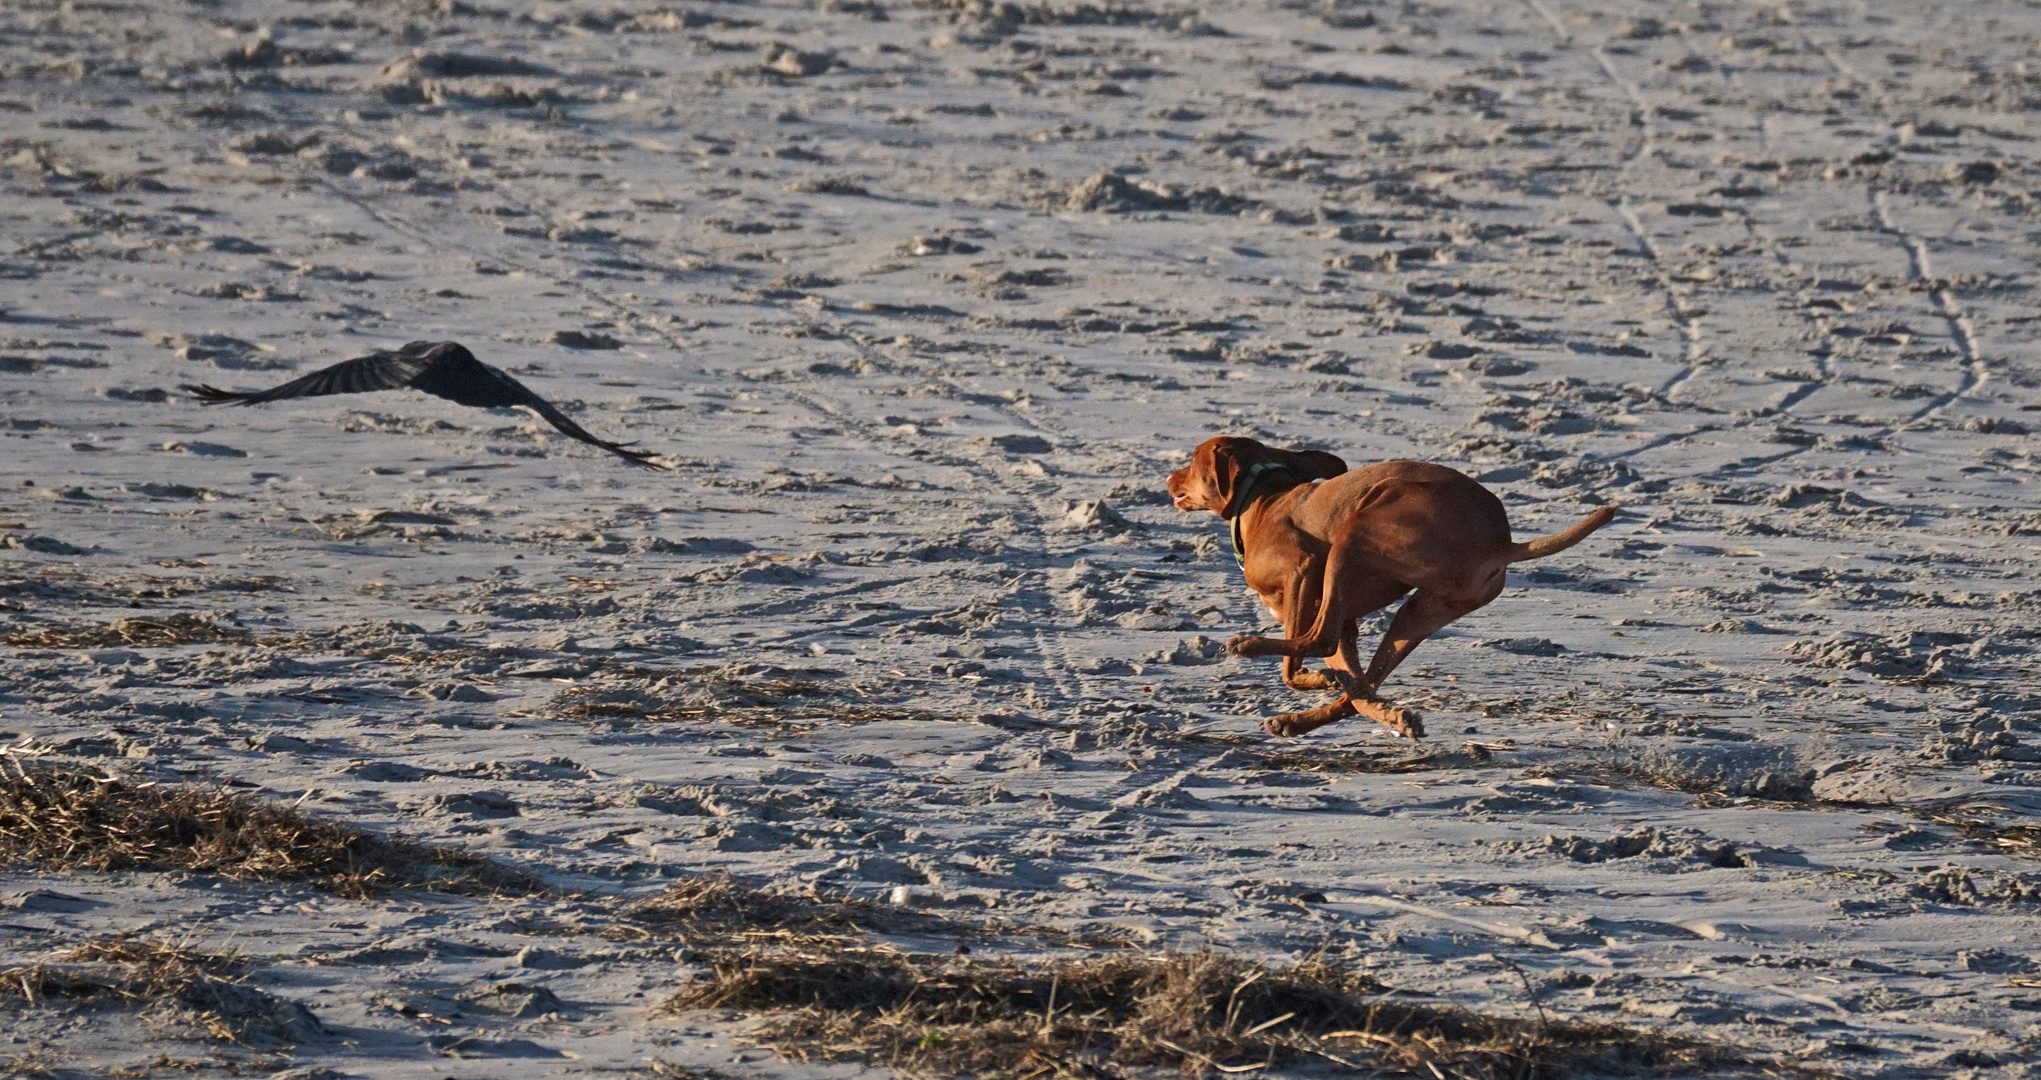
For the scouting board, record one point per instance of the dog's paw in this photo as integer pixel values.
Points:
(1409, 722)
(1405, 722)
(1312, 680)
(1243, 645)
(1288, 724)
(1303, 723)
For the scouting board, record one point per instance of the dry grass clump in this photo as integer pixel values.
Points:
(718, 908)
(177, 629)
(721, 902)
(66, 818)
(1195, 1012)
(124, 949)
(145, 952)
(198, 986)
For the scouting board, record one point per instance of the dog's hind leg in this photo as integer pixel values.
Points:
(1405, 722)
(1424, 614)
(1344, 666)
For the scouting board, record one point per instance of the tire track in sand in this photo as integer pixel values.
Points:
(1920, 270)
(1685, 319)
(1727, 73)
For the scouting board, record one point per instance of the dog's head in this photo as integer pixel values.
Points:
(1218, 468)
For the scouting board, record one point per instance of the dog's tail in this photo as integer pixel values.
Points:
(1560, 541)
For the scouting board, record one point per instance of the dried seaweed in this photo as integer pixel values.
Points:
(1989, 833)
(63, 817)
(719, 909)
(1196, 1012)
(181, 628)
(126, 949)
(200, 986)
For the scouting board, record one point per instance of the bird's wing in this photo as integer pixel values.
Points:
(443, 369)
(457, 376)
(573, 430)
(376, 371)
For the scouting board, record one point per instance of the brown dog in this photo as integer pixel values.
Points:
(1325, 546)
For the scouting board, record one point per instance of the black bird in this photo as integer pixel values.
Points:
(440, 368)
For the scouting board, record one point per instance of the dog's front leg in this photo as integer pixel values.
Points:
(1328, 631)
(1300, 723)
(1302, 596)
(1300, 610)
(1296, 678)
(1404, 722)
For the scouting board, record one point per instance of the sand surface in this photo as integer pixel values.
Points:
(923, 302)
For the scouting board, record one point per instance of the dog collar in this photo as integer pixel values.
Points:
(1238, 507)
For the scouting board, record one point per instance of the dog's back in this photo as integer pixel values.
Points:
(1409, 498)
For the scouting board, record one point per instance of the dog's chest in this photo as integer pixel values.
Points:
(1271, 599)
(1271, 572)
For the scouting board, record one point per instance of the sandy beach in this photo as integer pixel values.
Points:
(922, 303)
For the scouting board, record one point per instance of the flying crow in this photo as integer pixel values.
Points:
(440, 368)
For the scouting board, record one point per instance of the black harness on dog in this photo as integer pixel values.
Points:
(1241, 499)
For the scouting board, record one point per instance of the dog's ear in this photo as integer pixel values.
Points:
(1228, 459)
(1316, 464)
